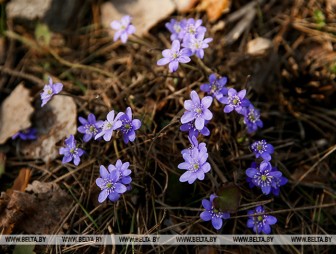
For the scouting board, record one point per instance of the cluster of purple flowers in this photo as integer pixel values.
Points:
(269, 179)
(188, 33)
(195, 117)
(122, 122)
(233, 101)
(263, 175)
(91, 128)
(113, 181)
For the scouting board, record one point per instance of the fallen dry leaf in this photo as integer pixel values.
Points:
(57, 14)
(15, 113)
(22, 180)
(258, 46)
(38, 213)
(214, 8)
(2, 50)
(145, 13)
(185, 5)
(54, 122)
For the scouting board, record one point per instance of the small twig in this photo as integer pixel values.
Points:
(36, 46)
(21, 75)
(331, 150)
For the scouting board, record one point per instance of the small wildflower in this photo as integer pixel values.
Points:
(263, 176)
(235, 101)
(252, 119)
(175, 29)
(194, 144)
(195, 165)
(216, 87)
(262, 149)
(49, 91)
(109, 184)
(174, 56)
(192, 28)
(260, 222)
(124, 28)
(197, 44)
(129, 126)
(190, 127)
(109, 125)
(89, 127)
(197, 110)
(277, 183)
(213, 214)
(71, 151)
(28, 134)
(123, 170)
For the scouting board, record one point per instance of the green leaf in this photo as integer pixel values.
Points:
(228, 198)
(24, 249)
(42, 34)
(319, 18)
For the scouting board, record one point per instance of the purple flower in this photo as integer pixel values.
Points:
(71, 151)
(263, 176)
(174, 56)
(175, 29)
(211, 213)
(194, 144)
(216, 87)
(260, 222)
(123, 170)
(192, 27)
(129, 126)
(190, 127)
(197, 44)
(89, 127)
(197, 110)
(195, 165)
(109, 184)
(28, 134)
(262, 149)
(124, 28)
(235, 101)
(109, 125)
(277, 183)
(252, 119)
(49, 91)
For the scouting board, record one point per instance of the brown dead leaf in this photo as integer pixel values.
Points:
(214, 8)
(185, 5)
(258, 46)
(38, 213)
(22, 180)
(2, 50)
(15, 113)
(145, 13)
(54, 122)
